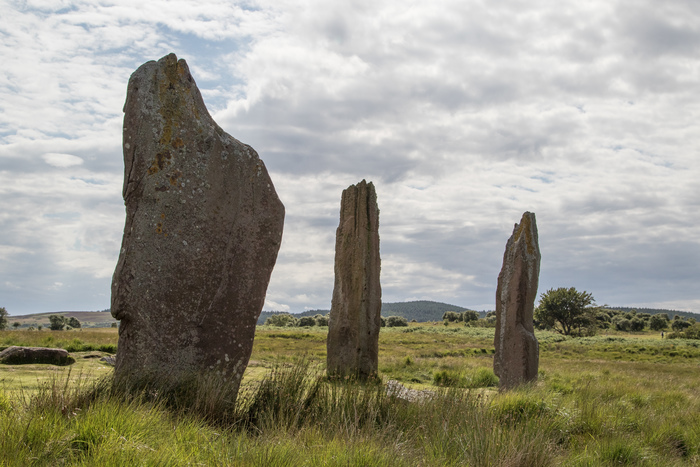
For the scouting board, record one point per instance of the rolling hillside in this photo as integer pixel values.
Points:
(88, 319)
(421, 311)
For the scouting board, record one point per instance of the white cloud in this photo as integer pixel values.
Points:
(463, 114)
(61, 160)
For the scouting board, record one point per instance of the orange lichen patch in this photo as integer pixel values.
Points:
(174, 176)
(159, 228)
(525, 226)
(161, 161)
(178, 143)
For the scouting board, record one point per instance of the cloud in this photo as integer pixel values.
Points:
(61, 160)
(464, 115)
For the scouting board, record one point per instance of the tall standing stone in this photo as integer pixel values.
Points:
(353, 330)
(203, 228)
(517, 350)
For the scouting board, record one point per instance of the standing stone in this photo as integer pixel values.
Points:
(353, 329)
(517, 351)
(203, 228)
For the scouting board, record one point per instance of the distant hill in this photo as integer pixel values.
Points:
(421, 311)
(88, 319)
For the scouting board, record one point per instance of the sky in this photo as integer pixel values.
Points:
(464, 114)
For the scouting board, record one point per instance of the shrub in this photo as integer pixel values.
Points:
(637, 324)
(470, 315)
(679, 325)
(306, 321)
(623, 324)
(396, 321)
(57, 322)
(281, 320)
(451, 316)
(658, 323)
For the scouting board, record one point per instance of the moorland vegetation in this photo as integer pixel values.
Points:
(617, 398)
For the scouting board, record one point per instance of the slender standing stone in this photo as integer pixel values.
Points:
(517, 350)
(353, 330)
(203, 227)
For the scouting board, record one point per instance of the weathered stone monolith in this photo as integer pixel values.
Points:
(517, 350)
(203, 228)
(353, 329)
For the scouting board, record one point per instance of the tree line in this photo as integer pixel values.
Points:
(287, 320)
(574, 313)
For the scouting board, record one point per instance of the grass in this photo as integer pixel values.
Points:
(606, 400)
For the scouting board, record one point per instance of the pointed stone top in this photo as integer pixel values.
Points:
(527, 230)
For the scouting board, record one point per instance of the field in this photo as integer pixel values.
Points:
(617, 399)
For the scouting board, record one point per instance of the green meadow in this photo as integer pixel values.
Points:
(615, 399)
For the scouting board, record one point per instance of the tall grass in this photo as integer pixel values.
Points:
(292, 417)
(636, 410)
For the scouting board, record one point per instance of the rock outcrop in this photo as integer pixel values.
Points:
(33, 355)
(203, 228)
(353, 328)
(517, 351)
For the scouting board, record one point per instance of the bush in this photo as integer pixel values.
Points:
(321, 320)
(396, 321)
(306, 321)
(470, 315)
(623, 325)
(57, 322)
(637, 324)
(679, 325)
(658, 323)
(451, 316)
(281, 320)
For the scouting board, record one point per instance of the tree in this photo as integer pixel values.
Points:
(73, 322)
(16, 324)
(306, 321)
(57, 322)
(637, 324)
(470, 315)
(3, 317)
(658, 323)
(679, 325)
(568, 311)
(623, 324)
(450, 316)
(321, 320)
(282, 319)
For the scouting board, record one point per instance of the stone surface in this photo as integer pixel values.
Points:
(203, 228)
(32, 355)
(353, 328)
(399, 391)
(517, 351)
